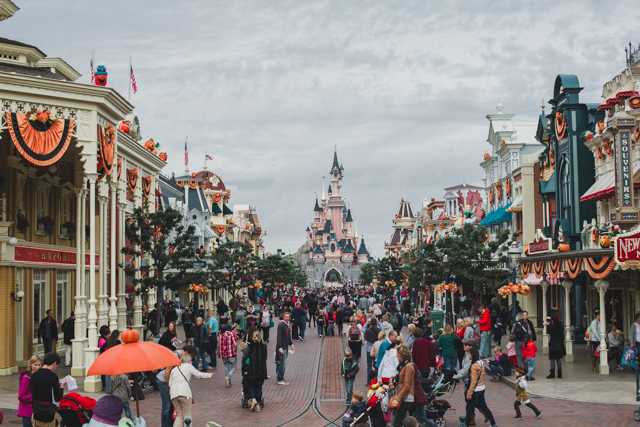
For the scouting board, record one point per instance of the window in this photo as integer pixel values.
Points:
(39, 299)
(554, 297)
(41, 208)
(62, 298)
(566, 191)
(63, 210)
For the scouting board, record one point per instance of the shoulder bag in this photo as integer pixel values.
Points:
(193, 400)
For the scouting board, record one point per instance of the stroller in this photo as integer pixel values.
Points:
(75, 410)
(245, 397)
(373, 413)
(439, 384)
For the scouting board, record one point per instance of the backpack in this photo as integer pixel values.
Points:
(320, 319)
(587, 335)
(519, 331)
(393, 319)
(476, 334)
(354, 333)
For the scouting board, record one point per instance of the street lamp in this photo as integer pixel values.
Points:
(514, 254)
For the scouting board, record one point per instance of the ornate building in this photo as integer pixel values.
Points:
(331, 253)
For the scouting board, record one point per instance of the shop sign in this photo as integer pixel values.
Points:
(540, 244)
(624, 182)
(48, 256)
(628, 249)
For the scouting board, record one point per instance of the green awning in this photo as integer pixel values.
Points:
(502, 215)
(487, 219)
(226, 210)
(215, 209)
(547, 187)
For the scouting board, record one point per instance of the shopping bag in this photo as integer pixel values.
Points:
(596, 352)
(629, 357)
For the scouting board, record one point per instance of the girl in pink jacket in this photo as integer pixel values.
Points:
(24, 393)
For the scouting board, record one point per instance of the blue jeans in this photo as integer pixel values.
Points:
(531, 363)
(26, 422)
(254, 389)
(281, 365)
(496, 370)
(166, 414)
(484, 344)
(304, 329)
(330, 329)
(450, 362)
(48, 345)
(127, 410)
(477, 399)
(369, 363)
(420, 413)
(348, 386)
(107, 383)
(202, 353)
(320, 329)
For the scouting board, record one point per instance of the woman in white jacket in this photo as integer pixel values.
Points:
(389, 364)
(180, 390)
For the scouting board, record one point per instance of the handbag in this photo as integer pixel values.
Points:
(44, 409)
(271, 324)
(394, 403)
(193, 400)
(596, 352)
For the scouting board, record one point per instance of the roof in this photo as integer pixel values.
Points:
(215, 208)
(197, 200)
(335, 165)
(565, 81)
(318, 250)
(32, 71)
(405, 210)
(308, 230)
(349, 219)
(344, 208)
(363, 249)
(463, 185)
(487, 219)
(317, 208)
(329, 191)
(549, 186)
(17, 43)
(348, 248)
(395, 240)
(327, 226)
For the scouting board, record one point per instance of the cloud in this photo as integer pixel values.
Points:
(268, 88)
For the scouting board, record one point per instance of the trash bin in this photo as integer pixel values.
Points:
(240, 318)
(437, 317)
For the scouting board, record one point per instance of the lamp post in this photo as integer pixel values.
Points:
(449, 304)
(514, 254)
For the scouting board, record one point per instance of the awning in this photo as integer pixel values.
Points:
(549, 186)
(215, 209)
(502, 215)
(532, 280)
(605, 187)
(208, 232)
(487, 219)
(226, 210)
(517, 205)
(197, 232)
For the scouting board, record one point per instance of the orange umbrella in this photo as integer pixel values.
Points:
(133, 357)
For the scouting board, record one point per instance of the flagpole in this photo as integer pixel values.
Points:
(93, 65)
(205, 160)
(186, 163)
(129, 78)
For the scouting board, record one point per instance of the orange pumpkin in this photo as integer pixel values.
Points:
(563, 247)
(42, 116)
(526, 249)
(130, 336)
(151, 146)
(125, 127)
(605, 241)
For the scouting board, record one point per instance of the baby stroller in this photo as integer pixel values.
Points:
(373, 413)
(75, 410)
(245, 397)
(438, 385)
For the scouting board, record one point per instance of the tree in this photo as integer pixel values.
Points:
(162, 236)
(472, 260)
(422, 266)
(275, 269)
(388, 269)
(232, 267)
(367, 272)
(298, 276)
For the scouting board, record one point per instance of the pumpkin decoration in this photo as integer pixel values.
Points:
(499, 191)
(595, 235)
(151, 146)
(101, 76)
(608, 147)
(491, 196)
(163, 156)
(125, 126)
(599, 153)
(634, 102)
(637, 134)
(563, 247)
(600, 127)
(486, 156)
(217, 197)
(561, 126)
(526, 249)
(431, 227)
(502, 143)
(220, 229)
(441, 226)
(507, 187)
(588, 135)
(552, 160)
(605, 241)
(129, 336)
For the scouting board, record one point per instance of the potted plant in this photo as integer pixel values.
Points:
(46, 224)
(68, 229)
(22, 222)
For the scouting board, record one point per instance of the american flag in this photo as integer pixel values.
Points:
(186, 154)
(208, 157)
(93, 77)
(133, 81)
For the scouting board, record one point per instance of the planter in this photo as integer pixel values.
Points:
(40, 227)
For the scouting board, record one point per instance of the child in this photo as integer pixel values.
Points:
(373, 382)
(497, 331)
(320, 323)
(521, 394)
(614, 346)
(511, 350)
(357, 409)
(529, 355)
(500, 366)
(349, 369)
(120, 387)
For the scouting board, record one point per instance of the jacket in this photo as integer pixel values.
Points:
(53, 328)
(386, 327)
(532, 330)
(24, 395)
(388, 365)
(419, 398)
(476, 372)
(254, 362)
(556, 341)
(468, 333)
(485, 321)
(284, 337)
(503, 361)
(180, 377)
(201, 340)
(371, 334)
(234, 304)
(521, 390)
(632, 333)
(357, 409)
(529, 349)
(424, 354)
(349, 367)
(382, 349)
(68, 329)
(463, 372)
(119, 387)
(166, 340)
(186, 317)
(406, 381)
(447, 344)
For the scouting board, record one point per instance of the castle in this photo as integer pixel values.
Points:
(331, 254)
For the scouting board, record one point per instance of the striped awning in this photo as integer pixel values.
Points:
(208, 232)
(605, 187)
(516, 206)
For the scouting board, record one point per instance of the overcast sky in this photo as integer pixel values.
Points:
(268, 87)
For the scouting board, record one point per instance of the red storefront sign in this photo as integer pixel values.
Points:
(48, 256)
(628, 248)
(540, 244)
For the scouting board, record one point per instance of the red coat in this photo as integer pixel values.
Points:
(424, 354)
(485, 321)
(529, 349)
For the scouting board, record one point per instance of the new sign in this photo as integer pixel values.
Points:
(540, 244)
(628, 249)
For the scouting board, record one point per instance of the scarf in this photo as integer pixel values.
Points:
(399, 368)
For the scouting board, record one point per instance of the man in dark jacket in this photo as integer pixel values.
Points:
(297, 315)
(48, 332)
(313, 306)
(187, 323)
(202, 344)
(282, 348)
(221, 307)
(531, 328)
(69, 334)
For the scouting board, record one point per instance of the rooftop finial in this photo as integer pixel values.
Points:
(356, 233)
(499, 107)
(542, 105)
(323, 198)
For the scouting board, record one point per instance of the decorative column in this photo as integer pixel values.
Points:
(137, 300)
(83, 276)
(568, 342)
(545, 336)
(113, 249)
(122, 302)
(102, 293)
(579, 330)
(602, 286)
(77, 367)
(92, 384)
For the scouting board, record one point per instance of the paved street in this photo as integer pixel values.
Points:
(314, 404)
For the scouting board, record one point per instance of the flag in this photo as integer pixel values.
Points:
(186, 154)
(133, 81)
(208, 157)
(93, 78)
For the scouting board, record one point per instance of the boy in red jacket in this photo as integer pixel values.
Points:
(529, 350)
(485, 327)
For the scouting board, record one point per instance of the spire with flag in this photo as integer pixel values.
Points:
(186, 154)
(93, 68)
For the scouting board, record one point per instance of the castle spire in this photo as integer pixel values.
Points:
(323, 198)
(356, 233)
(336, 166)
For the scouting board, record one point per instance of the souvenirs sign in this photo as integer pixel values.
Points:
(540, 244)
(627, 250)
(625, 210)
(47, 256)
